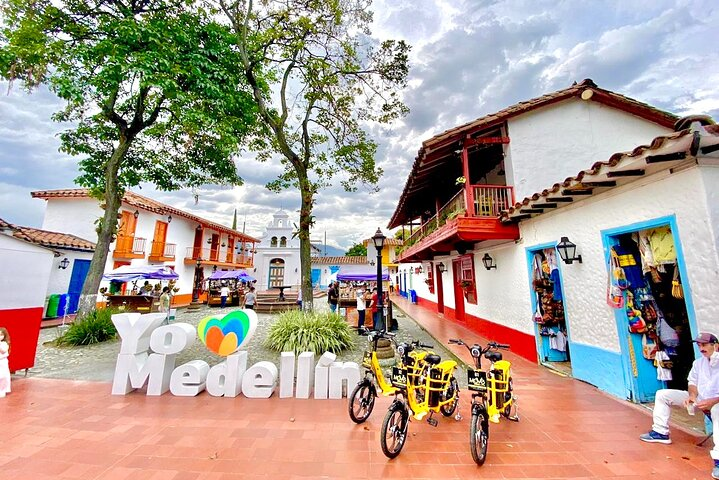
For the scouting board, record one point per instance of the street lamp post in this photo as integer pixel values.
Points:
(195, 304)
(378, 240)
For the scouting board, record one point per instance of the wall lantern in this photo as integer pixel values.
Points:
(223, 244)
(63, 264)
(441, 267)
(371, 262)
(418, 270)
(199, 228)
(488, 262)
(209, 240)
(169, 219)
(567, 251)
(214, 268)
(255, 269)
(136, 214)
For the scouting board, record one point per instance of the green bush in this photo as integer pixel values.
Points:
(297, 331)
(95, 327)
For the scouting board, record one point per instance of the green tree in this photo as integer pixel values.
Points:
(151, 85)
(357, 250)
(330, 82)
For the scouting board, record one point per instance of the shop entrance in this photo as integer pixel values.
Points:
(550, 322)
(645, 274)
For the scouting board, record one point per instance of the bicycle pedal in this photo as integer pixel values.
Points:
(458, 417)
(433, 422)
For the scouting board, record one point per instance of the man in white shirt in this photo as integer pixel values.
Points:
(702, 395)
(361, 307)
(224, 293)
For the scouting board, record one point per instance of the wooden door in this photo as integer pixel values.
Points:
(440, 290)
(230, 250)
(126, 232)
(277, 273)
(197, 244)
(158, 239)
(215, 247)
(458, 292)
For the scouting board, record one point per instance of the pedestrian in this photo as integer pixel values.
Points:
(4, 362)
(224, 293)
(299, 297)
(165, 301)
(250, 298)
(374, 307)
(702, 395)
(361, 307)
(333, 296)
(391, 286)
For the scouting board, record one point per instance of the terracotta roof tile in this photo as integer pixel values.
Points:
(140, 202)
(387, 241)
(53, 239)
(674, 148)
(340, 260)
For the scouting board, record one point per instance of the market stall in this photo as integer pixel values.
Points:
(142, 299)
(236, 280)
(360, 277)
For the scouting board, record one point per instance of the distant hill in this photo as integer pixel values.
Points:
(328, 250)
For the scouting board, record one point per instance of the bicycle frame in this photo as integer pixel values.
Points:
(372, 368)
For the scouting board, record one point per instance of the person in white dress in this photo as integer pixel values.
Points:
(4, 362)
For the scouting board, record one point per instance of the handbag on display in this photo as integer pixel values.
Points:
(677, 290)
(615, 295)
(649, 347)
(667, 335)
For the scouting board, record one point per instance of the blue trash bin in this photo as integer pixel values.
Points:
(62, 304)
(413, 296)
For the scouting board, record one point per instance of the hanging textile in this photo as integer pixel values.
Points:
(631, 266)
(662, 244)
(649, 265)
(664, 365)
(558, 341)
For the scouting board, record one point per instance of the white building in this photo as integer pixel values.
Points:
(495, 267)
(277, 262)
(152, 233)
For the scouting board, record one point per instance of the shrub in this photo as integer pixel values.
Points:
(299, 331)
(95, 327)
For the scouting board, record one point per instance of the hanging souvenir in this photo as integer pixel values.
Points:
(677, 290)
(636, 322)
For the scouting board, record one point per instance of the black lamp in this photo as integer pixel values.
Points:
(488, 262)
(136, 214)
(199, 263)
(378, 240)
(214, 268)
(209, 240)
(63, 264)
(418, 269)
(371, 262)
(441, 267)
(169, 219)
(567, 251)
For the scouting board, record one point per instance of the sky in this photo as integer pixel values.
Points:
(469, 58)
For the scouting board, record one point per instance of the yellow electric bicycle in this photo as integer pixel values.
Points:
(492, 394)
(362, 398)
(424, 387)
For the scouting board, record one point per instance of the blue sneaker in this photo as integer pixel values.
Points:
(655, 437)
(715, 471)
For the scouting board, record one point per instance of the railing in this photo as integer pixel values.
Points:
(130, 244)
(452, 209)
(213, 255)
(162, 249)
(490, 200)
(243, 259)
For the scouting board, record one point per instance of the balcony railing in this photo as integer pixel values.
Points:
(489, 201)
(129, 244)
(162, 249)
(222, 255)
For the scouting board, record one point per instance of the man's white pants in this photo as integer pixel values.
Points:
(665, 399)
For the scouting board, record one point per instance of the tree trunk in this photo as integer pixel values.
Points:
(305, 247)
(106, 229)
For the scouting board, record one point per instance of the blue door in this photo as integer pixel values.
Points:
(316, 273)
(77, 280)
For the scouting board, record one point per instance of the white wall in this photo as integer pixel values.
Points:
(75, 216)
(556, 142)
(291, 256)
(24, 273)
(60, 278)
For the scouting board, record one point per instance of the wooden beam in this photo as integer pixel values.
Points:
(669, 157)
(608, 183)
(521, 216)
(637, 172)
(709, 148)
(468, 142)
(545, 205)
(561, 199)
(576, 192)
(530, 210)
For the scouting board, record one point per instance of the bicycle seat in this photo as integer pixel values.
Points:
(493, 356)
(432, 359)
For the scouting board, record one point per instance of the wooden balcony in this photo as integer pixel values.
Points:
(455, 227)
(129, 246)
(162, 252)
(220, 256)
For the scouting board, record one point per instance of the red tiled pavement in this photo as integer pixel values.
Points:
(70, 430)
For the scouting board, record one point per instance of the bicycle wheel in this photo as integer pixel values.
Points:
(479, 436)
(452, 391)
(394, 431)
(361, 402)
(507, 411)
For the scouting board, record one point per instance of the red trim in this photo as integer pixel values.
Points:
(523, 344)
(23, 326)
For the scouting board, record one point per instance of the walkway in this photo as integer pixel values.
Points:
(68, 429)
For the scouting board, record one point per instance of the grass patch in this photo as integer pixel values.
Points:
(95, 327)
(297, 331)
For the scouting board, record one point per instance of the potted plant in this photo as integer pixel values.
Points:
(466, 284)
(428, 281)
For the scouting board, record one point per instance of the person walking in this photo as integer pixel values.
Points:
(250, 299)
(333, 296)
(224, 293)
(702, 395)
(361, 307)
(165, 301)
(374, 307)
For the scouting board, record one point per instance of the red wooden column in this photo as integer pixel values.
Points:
(468, 191)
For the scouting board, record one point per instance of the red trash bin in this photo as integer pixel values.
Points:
(23, 325)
